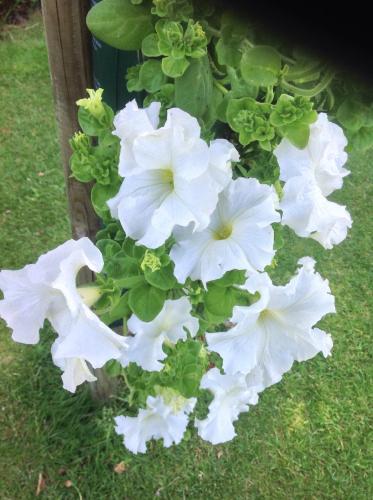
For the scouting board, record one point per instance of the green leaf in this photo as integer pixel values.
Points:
(362, 140)
(99, 196)
(351, 114)
(193, 91)
(279, 236)
(108, 247)
(146, 301)
(239, 87)
(81, 167)
(93, 126)
(151, 76)
(219, 301)
(230, 278)
(150, 46)
(163, 278)
(119, 310)
(133, 79)
(298, 134)
(261, 65)
(173, 67)
(120, 24)
(227, 53)
(113, 368)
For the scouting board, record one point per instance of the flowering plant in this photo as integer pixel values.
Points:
(233, 141)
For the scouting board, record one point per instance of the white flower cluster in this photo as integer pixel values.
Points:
(310, 175)
(47, 290)
(175, 184)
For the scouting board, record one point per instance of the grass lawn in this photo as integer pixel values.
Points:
(307, 438)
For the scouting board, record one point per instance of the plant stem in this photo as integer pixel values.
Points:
(328, 77)
(213, 31)
(220, 87)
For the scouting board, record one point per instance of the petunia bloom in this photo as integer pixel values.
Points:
(174, 179)
(323, 157)
(231, 397)
(47, 290)
(129, 123)
(145, 348)
(75, 370)
(239, 235)
(306, 210)
(311, 174)
(158, 420)
(277, 330)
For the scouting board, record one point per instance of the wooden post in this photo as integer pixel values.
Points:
(69, 54)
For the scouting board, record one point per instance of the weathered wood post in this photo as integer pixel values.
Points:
(69, 54)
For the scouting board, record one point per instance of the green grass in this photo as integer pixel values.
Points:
(307, 438)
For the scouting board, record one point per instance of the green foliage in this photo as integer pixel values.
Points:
(146, 275)
(177, 44)
(93, 125)
(261, 66)
(146, 301)
(166, 96)
(249, 118)
(357, 119)
(229, 46)
(119, 23)
(100, 194)
(222, 295)
(292, 117)
(177, 10)
(199, 78)
(99, 163)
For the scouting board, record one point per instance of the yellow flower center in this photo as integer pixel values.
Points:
(223, 232)
(167, 177)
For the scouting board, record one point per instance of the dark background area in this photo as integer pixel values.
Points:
(340, 34)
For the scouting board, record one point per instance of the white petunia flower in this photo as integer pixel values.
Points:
(307, 211)
(75, 370)
(275, 331)
(323, 157)
(231, 397)
(87, 337)
(44, 289)
(175, 180)
(158, 420)
(145, 348)
(47, 290)
(129, 123)
(239, 235)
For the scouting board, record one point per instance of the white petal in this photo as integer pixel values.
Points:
(277, 330)
(83, 253)
(129, 123)
(222, 154)
(245, 207)
(178, 118)
(231, 397)
(310, 214)
(39, 290)
(240, 347)
(154, 151)
(157, 421)
(145, 348)
(190, 158)
(323, 157)
(75, 370)
(25, 305)
(134, 205)
(90, 339)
